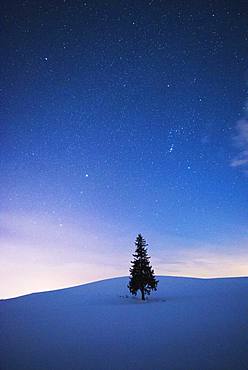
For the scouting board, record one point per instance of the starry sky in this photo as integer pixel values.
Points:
(119, 118)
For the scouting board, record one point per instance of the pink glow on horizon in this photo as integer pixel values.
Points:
(39, 254)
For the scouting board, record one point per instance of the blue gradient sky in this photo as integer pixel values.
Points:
(121, 118)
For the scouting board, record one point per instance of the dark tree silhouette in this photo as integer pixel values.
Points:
(142, 275)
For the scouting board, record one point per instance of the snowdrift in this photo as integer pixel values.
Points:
(188, 324)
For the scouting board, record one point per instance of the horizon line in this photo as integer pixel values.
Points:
(121, 277)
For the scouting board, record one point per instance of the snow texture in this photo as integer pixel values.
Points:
(188, 324)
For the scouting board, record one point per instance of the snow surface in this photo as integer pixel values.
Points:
(188, 324)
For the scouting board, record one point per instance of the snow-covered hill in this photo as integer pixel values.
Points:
(189, 324)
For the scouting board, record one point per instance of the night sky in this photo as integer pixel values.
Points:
(119, 118)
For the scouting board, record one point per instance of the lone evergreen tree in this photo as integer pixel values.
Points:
(142, 275)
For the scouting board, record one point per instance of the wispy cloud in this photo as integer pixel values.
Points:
(207, 261)
(241, 141)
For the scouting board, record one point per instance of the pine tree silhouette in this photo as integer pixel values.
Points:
(142, 275)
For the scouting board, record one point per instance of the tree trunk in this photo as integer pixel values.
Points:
(142, 294)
